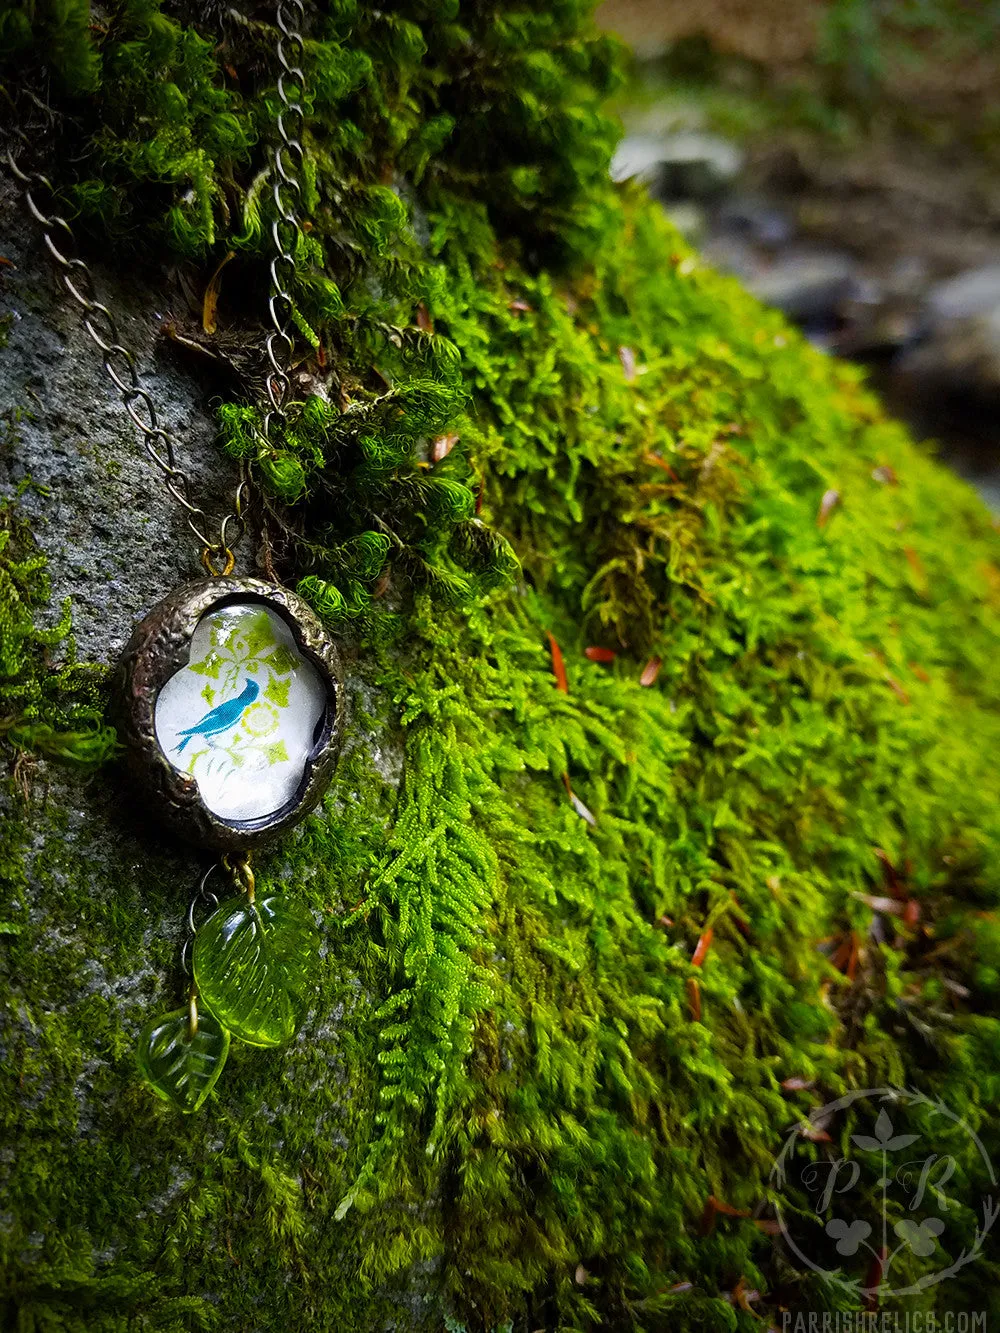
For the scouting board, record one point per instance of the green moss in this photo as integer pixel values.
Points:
(54, 708)
(507, 1076)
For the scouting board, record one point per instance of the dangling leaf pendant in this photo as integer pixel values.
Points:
(251, 965)
(183, 1066)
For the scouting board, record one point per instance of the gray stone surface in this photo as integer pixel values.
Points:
(115, 538)
(686, 165)
(807, 285)
(966, 295)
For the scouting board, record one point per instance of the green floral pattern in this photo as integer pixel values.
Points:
(240, 717)
(247, 648)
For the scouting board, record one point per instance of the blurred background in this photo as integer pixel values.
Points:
(842, 157)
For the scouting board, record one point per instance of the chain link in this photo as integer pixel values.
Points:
(119, 363)
(203, 903)
(286, 229)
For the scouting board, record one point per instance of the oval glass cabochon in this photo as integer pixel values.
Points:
(241, 717)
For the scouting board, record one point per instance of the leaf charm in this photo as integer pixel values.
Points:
(182, 1069)
(251, 965)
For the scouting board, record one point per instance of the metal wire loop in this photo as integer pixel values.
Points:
(202, 900)
(241, 874)
(21, 176)
(280, 304)
(293, 38)
(61, 259)
(124, 383)
(81, 288)
(290, 136)
(284, 247)
(238, 525)
(295, 148)
(292, 100)
(226, 559)
(162, 460)
(284, 19)
(147, 425)
(180, 488)
(287, 196)
(279, 347)
(277, 392)
(106, 338)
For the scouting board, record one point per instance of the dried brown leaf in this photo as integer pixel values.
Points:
(814, 1133)
(210, 302)
(577, 804)
(654, 460)
(796, 1084)
(829, 502)
(897, 689)
(558, 666)
(442, 447)
(702, 947)
(650, 671)
(920, 580)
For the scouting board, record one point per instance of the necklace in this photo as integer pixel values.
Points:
(228, 691)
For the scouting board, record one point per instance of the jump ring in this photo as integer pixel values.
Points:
(228, 559)
(118, 350)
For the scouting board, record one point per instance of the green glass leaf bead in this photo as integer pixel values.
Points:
(252, 963)
(180, 1068)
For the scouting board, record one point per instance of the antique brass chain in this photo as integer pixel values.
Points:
(119, 362)
(120, 366)
(286, 229)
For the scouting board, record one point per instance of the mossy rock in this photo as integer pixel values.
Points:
(597, 933)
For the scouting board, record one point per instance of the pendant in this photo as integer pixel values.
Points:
(230, 710)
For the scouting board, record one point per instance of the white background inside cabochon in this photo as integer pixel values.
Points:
(241, 715)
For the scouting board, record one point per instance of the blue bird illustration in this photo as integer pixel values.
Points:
(223, 716)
